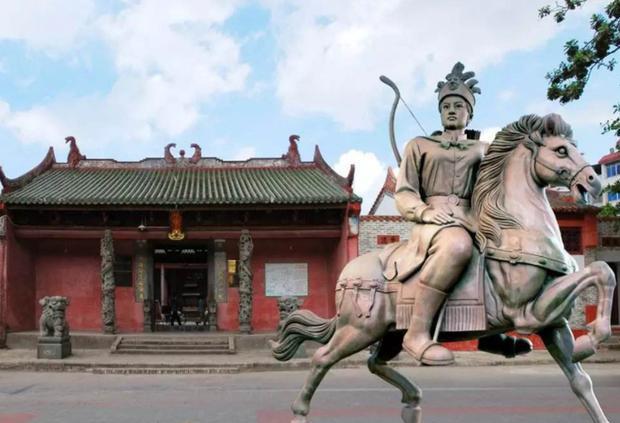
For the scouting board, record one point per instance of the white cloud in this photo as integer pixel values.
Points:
(584, 113)
(488, 134)
(370, 174)
(52, 25)
(245, 153)
(506, 95)
(5, 111)
(35, 124)
(220, 141)
(332, 53)
(171, 58)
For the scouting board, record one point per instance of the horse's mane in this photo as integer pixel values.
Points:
(489, 192)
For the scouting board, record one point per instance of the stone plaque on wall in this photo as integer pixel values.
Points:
(220, 270)
(286, 279)
(141, 277)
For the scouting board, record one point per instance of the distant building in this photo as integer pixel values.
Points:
(610, 173)
(383, 224)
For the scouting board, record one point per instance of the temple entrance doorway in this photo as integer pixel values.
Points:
(180, 287)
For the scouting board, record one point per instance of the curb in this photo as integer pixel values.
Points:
(129, 368)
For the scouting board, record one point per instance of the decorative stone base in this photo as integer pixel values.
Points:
(54, 347)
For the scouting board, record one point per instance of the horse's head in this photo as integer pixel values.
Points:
(558, 162)
(553, 160)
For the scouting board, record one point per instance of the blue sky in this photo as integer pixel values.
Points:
(238, 77)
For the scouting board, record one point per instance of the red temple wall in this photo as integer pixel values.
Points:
(20, 285)
(346, 249)
(72, 269)
(589, 228)
(74, 275)
(129, 313)
(590, 231)
(2, 292)
(265, 314)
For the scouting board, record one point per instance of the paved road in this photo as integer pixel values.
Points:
(515, 394)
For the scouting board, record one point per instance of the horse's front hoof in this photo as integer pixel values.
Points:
(584, 348)
(411, 414)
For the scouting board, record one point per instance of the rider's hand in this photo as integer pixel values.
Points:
(439, 215)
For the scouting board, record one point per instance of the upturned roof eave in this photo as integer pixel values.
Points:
(9, 185)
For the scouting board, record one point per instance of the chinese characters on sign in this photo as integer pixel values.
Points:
(286, 279)
(140, 278)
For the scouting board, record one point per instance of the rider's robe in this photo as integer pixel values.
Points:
(432, 172)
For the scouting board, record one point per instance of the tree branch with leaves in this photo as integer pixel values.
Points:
(568, 81)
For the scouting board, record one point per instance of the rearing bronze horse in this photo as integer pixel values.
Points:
(522, 291)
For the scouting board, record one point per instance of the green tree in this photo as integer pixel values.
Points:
(568, 81)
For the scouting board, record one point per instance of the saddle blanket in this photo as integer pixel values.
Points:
(465, 309)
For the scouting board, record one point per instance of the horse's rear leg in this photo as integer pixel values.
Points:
(347, 340)
(558, 298)
(388, 348)
(560, 344)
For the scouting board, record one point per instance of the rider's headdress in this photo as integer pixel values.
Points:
(460, 84)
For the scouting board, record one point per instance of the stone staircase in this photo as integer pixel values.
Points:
(613, 343)
(174, 344)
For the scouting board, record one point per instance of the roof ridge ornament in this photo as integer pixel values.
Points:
(74, 157)
(170, 159)
(292, 155)
(197, 154)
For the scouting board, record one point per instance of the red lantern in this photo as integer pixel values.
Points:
(176, 226)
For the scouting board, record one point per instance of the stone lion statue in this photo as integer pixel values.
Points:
(286, 306)
(53, 322)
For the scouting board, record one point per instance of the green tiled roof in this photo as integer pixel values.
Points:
(135, 186)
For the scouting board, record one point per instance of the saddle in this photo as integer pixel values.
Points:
(465, 309)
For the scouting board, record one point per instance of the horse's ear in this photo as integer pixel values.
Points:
(43, 301)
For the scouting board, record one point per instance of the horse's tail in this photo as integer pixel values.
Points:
(301, 326)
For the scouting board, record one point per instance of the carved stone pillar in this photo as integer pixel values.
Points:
(3, 223)
(143, 283)
(244, 271)
(108, 314)
(212, 316)
(217, 285)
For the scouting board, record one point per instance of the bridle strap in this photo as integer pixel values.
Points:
(562, 172)
(570, 184)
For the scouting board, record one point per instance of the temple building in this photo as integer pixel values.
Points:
(175, 225)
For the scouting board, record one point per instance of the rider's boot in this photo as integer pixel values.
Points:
(417, 340)
(506, 345)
